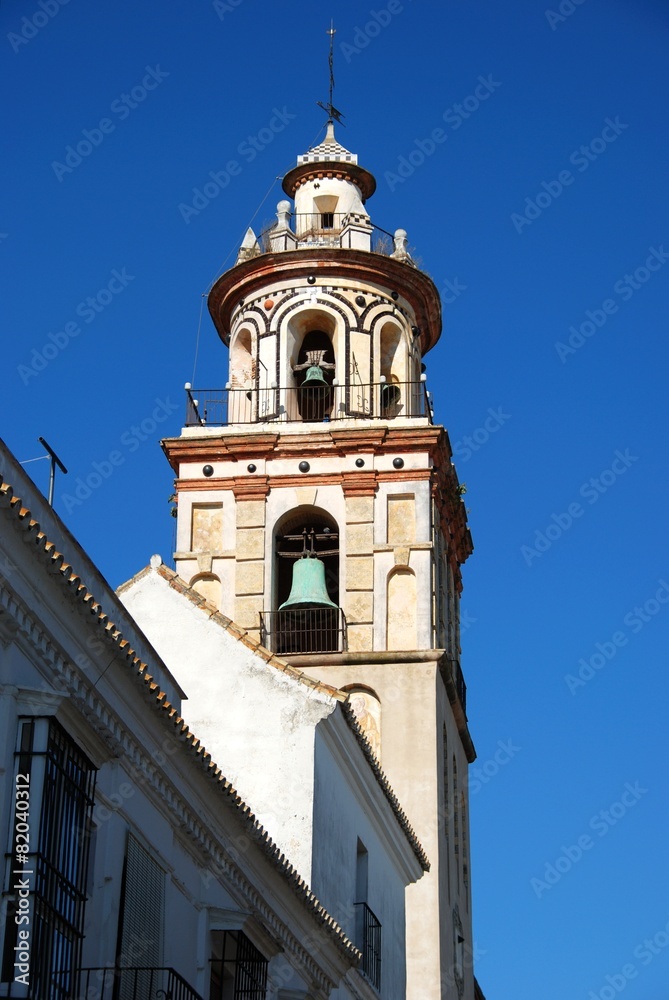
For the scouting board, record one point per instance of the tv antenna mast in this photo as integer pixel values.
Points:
(55, 461)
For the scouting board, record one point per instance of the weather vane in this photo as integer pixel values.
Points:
(333, 114)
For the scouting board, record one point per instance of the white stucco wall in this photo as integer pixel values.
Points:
(254, 720)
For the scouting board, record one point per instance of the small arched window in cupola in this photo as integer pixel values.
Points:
(314, 375)
(326, 212)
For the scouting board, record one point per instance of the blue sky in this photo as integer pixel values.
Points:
(524, 148)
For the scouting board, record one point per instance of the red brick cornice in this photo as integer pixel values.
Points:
(403, 475)
(238, 447)
(248, 279)
(253, 446)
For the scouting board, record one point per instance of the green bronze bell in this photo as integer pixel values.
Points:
(315, 395)
(308, 589)
(314, 379)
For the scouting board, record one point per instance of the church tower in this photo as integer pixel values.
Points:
(319, 509)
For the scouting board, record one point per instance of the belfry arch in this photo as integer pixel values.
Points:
(305, 616)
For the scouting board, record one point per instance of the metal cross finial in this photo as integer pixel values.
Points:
(333, 114)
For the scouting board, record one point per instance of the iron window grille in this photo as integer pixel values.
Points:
(61, 780)
(238, 969)
(368, 934)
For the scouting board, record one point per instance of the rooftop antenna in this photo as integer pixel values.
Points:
(333, 114)
(55, 461)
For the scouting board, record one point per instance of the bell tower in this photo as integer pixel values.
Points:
(319, 509)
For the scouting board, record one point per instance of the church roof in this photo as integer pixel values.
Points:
(328, 150)
(329, 158)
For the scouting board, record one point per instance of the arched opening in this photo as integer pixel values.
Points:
(314, 375)
(306, 617)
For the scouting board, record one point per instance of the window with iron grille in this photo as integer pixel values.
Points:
(367, 926)
(238, 969)
(141, 919)
(368, 939)
(61, 780)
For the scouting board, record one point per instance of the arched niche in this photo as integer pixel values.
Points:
(366, 706)
(393, 356)
(402, 619)
(209, 586)
(315, 628)
(241, 401)
(242, 359)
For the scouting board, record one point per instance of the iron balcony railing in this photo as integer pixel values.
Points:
(304, 404)
(125, 983)
(368, 937)
(303, 630)
(325, 229)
